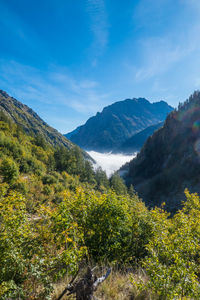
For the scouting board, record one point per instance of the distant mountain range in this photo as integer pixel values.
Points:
(30, 122)
(108, 130)
(169, 161)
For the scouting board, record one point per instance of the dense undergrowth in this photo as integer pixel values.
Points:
(56, 213)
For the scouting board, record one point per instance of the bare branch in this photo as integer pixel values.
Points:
(101, 279)
(84, 288)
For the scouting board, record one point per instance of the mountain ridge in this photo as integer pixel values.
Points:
(30, 121)
(110, 128)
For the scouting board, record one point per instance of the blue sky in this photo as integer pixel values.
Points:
(67, 59)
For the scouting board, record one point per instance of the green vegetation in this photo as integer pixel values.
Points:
(29, 121)
(39, 171)
(172, 264)
(9, 170)
(56, 212)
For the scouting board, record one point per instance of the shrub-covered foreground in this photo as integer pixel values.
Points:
(37, 250)
(56, 212)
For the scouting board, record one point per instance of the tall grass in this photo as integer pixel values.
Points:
(117, 286)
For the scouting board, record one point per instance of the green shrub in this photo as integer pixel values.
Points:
(172, 264)
(9, 170)
(49, 179)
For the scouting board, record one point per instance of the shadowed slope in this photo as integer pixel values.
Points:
(170, 159)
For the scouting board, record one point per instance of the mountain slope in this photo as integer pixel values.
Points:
(135, 142)
(169, 161)
(117, 122)
(30, 121)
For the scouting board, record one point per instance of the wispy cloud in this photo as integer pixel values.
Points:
(56, 84)
(159, 56)
(99, 27)
(159, 53)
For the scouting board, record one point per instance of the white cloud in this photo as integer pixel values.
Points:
(110, 162)
(160, 54)
(177, 39)
(99, 26)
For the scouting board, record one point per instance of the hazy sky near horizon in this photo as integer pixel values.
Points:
(68, 59)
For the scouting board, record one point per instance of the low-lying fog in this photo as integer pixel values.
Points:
(110, 162)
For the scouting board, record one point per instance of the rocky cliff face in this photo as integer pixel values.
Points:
(169, 161)
(118, 122)
(30, 121)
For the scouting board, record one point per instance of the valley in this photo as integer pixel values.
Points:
(60, 211)
(99, 150)
(110, 162)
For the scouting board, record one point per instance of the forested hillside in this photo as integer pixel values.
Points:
(169, 161)
(29, 121)
(135, 142)
(58, 215)
(28, 161)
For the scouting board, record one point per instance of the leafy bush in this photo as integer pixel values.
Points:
(114, 228)
(173, 261)
(49, 179)
(9, 170)
(34, 250)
